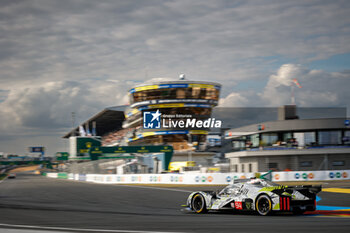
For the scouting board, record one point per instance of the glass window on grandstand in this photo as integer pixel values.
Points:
(255, 140)
(211, 94)
(329, 137)
(180, 93)
(346, 138)
(164, 93)
(268, 139)
(305, 138)
(140, 96)
(306, 164)
(195, 92)
(238, 145)
(202, 93)
(273, 166)
(287, 136)
(176, 93)
(338, 163)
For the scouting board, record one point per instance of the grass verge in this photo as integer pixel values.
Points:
(3, 176)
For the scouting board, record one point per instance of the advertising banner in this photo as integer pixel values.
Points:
(201, 178)
(51, 175)
(311, 175)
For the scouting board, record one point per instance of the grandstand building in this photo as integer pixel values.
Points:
(290, 143)
(123, 125)
(104, 124)
(182, 98)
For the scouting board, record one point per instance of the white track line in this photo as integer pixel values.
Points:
(78, 229)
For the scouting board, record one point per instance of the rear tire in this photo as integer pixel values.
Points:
(198, 204)
(263, 205)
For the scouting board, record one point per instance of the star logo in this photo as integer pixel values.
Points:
(151, 120)
(155, 115)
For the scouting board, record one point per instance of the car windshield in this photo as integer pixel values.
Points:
(262, 183)
(229, 189)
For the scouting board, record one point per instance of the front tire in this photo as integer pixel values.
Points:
(198, 204)
(263, 205)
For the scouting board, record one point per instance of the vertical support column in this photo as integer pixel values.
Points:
(296, 160)
(267, 164)
(326, 162)
(94, 133)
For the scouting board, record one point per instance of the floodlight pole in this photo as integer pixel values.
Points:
(73, 122)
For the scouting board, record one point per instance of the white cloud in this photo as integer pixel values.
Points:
(234, 100)
(319, 89)
(60, 56)
(58, 40)
(47, 107)
(278, 89)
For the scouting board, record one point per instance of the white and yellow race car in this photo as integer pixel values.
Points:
(262, 196)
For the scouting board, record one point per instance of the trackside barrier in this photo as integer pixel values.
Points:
(201, 178)
(62, 175)
(311, 175)
(51, 174)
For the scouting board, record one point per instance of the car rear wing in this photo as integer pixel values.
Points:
(307, 190)
(312, 188)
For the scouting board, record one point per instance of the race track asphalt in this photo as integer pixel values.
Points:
(39, 201)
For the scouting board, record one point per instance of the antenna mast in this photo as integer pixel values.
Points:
(292, 94)
(294, 81)
(73, 123)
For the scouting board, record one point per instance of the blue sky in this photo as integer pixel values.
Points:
(334, 63)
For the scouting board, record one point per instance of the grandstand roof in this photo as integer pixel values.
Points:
(109, 119)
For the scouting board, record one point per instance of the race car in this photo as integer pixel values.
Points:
(11, 176)
(259, 195)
